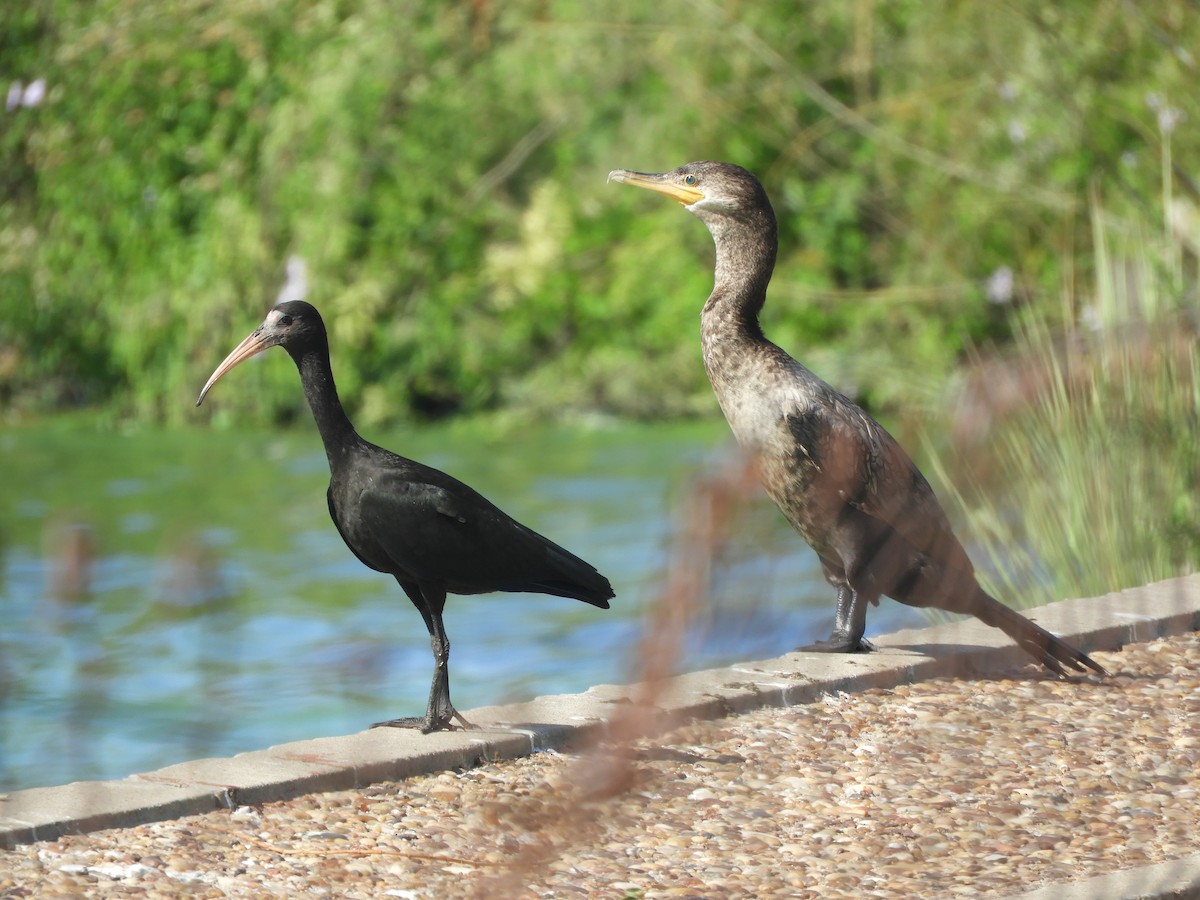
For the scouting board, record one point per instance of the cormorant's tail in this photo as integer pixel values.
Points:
(1052, 652)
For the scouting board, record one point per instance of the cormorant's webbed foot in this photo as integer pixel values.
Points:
(839, 643)
(849, 624)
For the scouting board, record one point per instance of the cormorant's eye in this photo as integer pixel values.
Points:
(285, 320)
(690, 180)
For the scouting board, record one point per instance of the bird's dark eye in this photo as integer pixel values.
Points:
(285, 320)
(690, 179)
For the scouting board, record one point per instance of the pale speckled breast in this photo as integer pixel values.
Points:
(758, 393)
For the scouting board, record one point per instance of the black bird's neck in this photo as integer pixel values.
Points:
(746, 248)
(316, 374)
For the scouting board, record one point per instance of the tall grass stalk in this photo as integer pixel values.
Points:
(1089, 483)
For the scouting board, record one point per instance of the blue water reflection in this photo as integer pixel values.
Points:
(174, 595)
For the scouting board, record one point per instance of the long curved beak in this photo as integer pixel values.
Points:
(662, 184)
(255, 342)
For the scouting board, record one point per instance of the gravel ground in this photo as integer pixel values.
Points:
(950, 787)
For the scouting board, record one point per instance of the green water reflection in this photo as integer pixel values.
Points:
(168, 595)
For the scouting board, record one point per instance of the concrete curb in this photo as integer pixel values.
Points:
(965, 648)
(1178, 879)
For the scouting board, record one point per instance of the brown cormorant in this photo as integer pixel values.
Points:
(431, 532)
(840, 479)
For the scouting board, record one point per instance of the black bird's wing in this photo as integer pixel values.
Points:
(430, 527)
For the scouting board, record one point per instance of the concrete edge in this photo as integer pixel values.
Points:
(1176, 879)
(964, 648)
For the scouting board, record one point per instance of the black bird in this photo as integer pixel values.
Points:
(840, 479)
(431, 532)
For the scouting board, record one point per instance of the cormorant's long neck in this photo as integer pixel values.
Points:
(337, 431)
(746, 249)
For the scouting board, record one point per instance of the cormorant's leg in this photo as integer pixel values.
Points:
(849, 625)
(440, 712)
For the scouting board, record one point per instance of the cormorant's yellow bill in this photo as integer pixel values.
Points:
(671, 184)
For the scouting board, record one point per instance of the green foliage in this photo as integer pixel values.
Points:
(1087, 483)
(440, 169)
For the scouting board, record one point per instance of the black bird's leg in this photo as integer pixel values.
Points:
(849, 625)
(441, 712)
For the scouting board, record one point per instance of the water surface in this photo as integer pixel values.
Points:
(169, 595)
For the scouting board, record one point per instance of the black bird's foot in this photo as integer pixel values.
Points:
(445, 722)
(427, 724)
(405, 722)
(839, 643)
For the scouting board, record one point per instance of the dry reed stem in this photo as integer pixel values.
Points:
(552, 818)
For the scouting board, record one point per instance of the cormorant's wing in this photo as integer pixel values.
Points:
(867, 469)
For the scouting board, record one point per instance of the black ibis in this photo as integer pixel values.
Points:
(432, 533)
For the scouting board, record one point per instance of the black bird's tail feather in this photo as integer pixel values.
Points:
(1052, 652)
(596, 591)
(566, 576)
(570, 576)
(560, 573)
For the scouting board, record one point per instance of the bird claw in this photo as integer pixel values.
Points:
(839, 644)
(445, 722)
(428, 724)
(405, 722)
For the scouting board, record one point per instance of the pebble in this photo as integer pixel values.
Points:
(941, 788)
